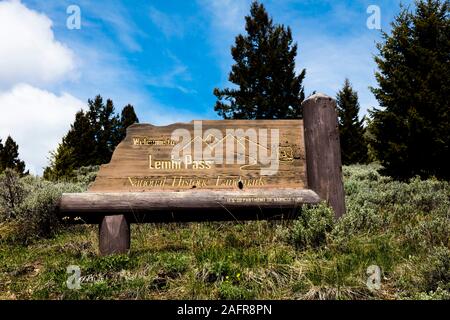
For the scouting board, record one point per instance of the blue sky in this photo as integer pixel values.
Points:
(166, 57)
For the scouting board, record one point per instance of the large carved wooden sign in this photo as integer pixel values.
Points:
(212, 155)
(214, 170)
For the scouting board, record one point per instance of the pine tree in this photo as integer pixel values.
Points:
(128, 117)
(91, 139)
(62, 164)
(9, 157)
(412, 129)
(105, 126)
(264, 72)
(81, 141)
(351, 129)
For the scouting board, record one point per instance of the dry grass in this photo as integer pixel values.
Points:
(254, 260)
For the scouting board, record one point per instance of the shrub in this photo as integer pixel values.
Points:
(82, 175)
(436, 272)
(38, 211)
(310, 229)
(12, 193)
(30, 204)
(358, 220)
(417, 210)
(86, 175)
(426, 233)
(362, 172)
(438, 294)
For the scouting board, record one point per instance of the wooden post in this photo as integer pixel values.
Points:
(114, 235)
(323, 151)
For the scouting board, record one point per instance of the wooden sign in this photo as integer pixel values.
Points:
(212, 171)
(211, 155)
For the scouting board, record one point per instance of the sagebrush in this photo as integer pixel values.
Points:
(401, 227)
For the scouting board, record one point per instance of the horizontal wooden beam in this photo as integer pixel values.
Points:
(198, 205)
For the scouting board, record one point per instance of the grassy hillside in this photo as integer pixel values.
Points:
(401, 227)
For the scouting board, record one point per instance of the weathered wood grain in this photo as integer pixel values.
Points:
(196, 205)
(323, 152)
(130, 167)
(114, 235)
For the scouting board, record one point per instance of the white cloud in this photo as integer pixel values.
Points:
(29, 52)
(178, 73)
(116, 15)
(31, 57)
(227, 15)
(170, 26)
(329, 61)
(125, 29)
(227, 21)
(36, 119)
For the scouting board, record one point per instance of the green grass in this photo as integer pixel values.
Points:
(401, 227)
